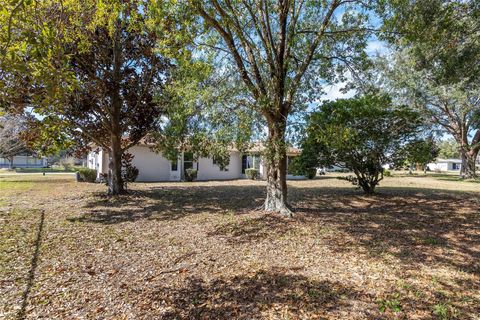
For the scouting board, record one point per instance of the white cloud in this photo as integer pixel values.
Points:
(333, 92)
(376, 47)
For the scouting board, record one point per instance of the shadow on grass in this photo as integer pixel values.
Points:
(254, 229)
(253, 297)
(171, 203)
(408, 223)
(33, 267)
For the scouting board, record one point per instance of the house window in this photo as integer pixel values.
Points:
(188, 160)
(252, 161)
(455, 166)
(174, 165)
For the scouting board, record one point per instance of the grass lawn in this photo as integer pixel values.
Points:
(54, 169)
(200, 251)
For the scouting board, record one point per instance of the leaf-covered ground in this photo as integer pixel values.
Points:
(201, 251)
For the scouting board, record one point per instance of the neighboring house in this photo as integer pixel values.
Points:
(23, 162)
(154, 167)
(445, 165)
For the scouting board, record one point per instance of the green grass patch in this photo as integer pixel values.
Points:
(393, 304)
(47, 170)
(451, 177)
(6, 185)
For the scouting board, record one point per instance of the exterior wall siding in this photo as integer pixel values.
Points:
(24, 162)
(154, 167)
(444, 166)
(209, 171)
(151, 166)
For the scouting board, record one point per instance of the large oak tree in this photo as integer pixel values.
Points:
(437, 67)
(92, 70)
(283, 52)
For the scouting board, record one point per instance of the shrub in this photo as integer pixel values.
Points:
(129, 171)
(387, 173)
(88, 175)
(311, 173)
(190, 174)
(130, 174)
(252, 173)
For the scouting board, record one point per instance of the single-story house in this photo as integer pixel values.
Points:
(154, 166)
(23, 161)
(445, 165)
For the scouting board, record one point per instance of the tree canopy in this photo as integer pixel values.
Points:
(437, 65)
(94, 73)
(361, 134)
(282, 53)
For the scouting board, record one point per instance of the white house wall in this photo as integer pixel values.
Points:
(154, 167)
(209, 171)
(440, 166)
(151, 166)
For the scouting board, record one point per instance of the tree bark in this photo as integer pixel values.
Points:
(468, 164)
(115, 181)
(276, 166)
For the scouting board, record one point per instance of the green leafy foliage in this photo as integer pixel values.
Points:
(129, 171)
(281, 54)
(436, 65)
(191, 174)
(449, 149)
(311, 173)
(361, 134)
(88, 175)
(392, 304)
(252, 173)
(92, 71)
(422, 151)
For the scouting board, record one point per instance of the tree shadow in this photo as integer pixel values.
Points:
(410, 224)
(254, 229)
(33, 267)
(170, 203)
(253, 296)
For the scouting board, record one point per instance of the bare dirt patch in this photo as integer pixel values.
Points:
(200, 251)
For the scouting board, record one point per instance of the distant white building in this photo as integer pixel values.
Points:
(23, 162)
(445, 165)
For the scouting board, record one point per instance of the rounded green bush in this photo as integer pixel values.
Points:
(252, 173)
(88, 175)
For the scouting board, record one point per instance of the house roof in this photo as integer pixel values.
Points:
(256, 147)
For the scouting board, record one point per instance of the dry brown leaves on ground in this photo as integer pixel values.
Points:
(200, 251)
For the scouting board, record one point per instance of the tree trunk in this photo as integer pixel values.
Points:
(11, 162)
(115, 181)
(276, 166)
(468, 164)
(368, 189)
